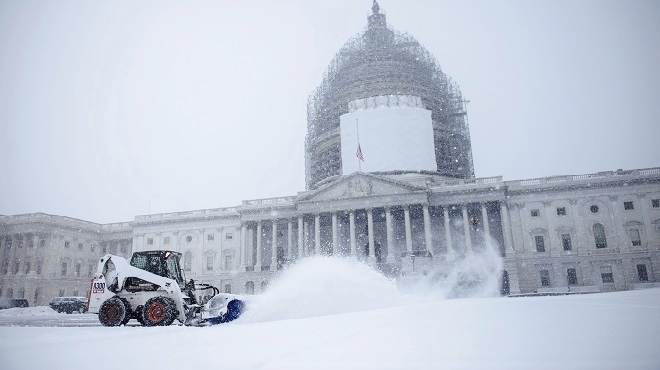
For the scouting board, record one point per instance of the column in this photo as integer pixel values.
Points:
(242, 255)
(523, 216)
(289, 242)
(273, 248)
(300, 237)
(390, 236)
(427, 228)
(645, 204)
(506, 229)
(575, 241)
(306, 237)
(406, 219)
(370, 230)
(619, 233)
(448, 242)
(335, 237)
(257, 266)
(317, 234)
(351, 215)
(466, 229)
(484, 217)
(554, 244)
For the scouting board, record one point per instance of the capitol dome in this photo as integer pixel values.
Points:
(385, 82)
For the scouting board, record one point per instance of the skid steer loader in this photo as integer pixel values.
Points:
(151, 289)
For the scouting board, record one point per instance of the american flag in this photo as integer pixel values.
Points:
(359, 153)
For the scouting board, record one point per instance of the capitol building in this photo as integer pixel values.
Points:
(389, 178)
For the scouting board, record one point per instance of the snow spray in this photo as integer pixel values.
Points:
(318, 286)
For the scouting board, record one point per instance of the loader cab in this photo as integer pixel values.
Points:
(161, 263)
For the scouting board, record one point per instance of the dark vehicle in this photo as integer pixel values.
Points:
(13, 302)
(69, 304)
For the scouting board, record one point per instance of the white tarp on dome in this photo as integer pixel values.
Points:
(395, 134)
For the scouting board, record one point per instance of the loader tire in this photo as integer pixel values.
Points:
(112, 312)
(159, 311)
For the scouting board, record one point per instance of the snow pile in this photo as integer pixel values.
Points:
(29, 311)
(318, 286)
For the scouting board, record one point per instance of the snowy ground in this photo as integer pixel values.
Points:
(331, 315)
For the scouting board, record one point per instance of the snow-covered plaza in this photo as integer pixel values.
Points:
(331, 314)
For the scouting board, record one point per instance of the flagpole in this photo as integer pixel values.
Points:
(357, 129)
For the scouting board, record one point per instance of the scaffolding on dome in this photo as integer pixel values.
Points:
(383, 61)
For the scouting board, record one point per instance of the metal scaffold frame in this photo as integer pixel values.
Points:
(382, 61)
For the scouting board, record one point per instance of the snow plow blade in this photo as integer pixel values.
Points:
(224, 308)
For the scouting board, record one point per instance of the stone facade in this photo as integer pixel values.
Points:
(44, 256)
(595, 232)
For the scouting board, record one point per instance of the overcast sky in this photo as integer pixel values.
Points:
(112, 109)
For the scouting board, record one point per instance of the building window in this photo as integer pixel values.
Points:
(249, 287)
(150, 241)
(599, 236)
(594, 209)
(571, 276)
(64, 267)
(534, 213)
(188, 238)
(61, 292)
(561, 211)
(21, 293)
(566, 242)
(30, 242)
(78, 267)
(545, 277)
(75, 293)
(166, 240)
(210, 237)
(19, 241)
(80, 246)
(36, 296)
(229, 236)
(187, 261)
(10, 293)
(209, 263)
(628, 205)
(42, 243)
(641, 273)
(28, 266)
(90, 270)
(124, 248)
(635, 238)
(229, 261)
(606, 274)
(228, 288)
(655, 203)
(39, 265)
(540, 244)
(17, 263)
(5, 267)
(67, 244)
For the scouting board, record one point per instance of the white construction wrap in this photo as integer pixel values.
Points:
(395, 133)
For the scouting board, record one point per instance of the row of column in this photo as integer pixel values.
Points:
(301, 227)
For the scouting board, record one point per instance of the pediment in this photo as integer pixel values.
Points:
(359, 185)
